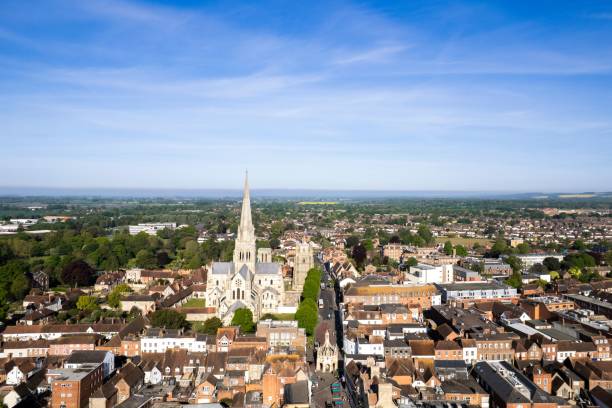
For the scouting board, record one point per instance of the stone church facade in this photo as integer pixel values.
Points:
(304, 261)
(251, 280)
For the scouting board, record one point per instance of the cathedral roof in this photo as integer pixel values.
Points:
(222, 268)
(267, 268)
(245, 273)
(235, 306)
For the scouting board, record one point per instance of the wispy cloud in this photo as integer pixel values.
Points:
(375, 55)
(348, 89)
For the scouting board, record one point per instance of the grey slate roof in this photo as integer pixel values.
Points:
(508, 392)
(267, 268)
(245, 273)
(86, 356)
(297, 393)
(222, 268)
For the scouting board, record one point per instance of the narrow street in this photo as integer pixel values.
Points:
(329, 315)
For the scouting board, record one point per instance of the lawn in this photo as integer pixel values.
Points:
(284, 316)
(195, 303)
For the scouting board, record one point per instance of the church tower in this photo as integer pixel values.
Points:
(304, 261)
(245, 249)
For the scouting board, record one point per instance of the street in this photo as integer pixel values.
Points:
(329, 315)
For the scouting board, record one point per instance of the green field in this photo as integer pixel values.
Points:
(195, 303)
(284, 316)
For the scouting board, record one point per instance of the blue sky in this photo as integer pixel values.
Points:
(493, 96)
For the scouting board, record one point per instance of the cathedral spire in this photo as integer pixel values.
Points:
(246, 231)
(245, 248)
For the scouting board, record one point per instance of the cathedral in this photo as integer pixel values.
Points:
(251, 280)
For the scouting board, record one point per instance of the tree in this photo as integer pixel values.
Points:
(608, 257)
(542, 283)
(78, 273)
(6, 253)
(395, 239)
(498, 248)
(515, 263)
(575, 272)
(352, 241)
(448, 248)
(461, 251)
(87, 303)
(243, 317)
(515, 280)
(211, 326)
(489, 231)
(552, 263)
(145, 259)
(275, 243)
(425, 234)
(359, 254)
(523, 248)
(412, 261)
(578, 260)
(307, 315)
(537, 268)
(312, 284)
(579, 245)
(170, 319)
(162, 258)
(20, 286)
(114, 298)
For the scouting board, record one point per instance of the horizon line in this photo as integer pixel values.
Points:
(167, 192)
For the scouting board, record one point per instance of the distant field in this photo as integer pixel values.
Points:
(318, 203)
(466, 242)
(576, 195)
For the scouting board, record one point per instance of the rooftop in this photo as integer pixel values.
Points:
(72, 374)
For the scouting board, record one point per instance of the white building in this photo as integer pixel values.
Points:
(245, 282)
(529, 260)
(425, 273)
(151, 228)
(24, 221)
(158, 341)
